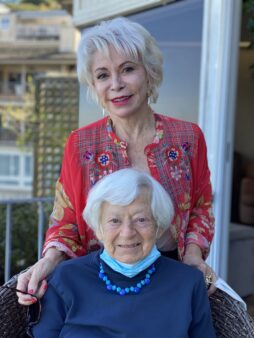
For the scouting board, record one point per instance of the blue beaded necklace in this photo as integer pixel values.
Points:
(132, 289)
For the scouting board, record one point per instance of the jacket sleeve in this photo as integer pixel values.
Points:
(201, 325)
(63, 232)
(52, 315)
(200, 229)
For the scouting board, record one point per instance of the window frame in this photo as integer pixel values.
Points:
(20, 181)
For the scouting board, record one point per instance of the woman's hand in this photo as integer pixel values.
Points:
(193, 257)
(34, 281)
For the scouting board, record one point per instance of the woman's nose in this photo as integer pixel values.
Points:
(117, 83)
(127, 229)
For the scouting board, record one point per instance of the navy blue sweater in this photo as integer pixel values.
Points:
(77, 304)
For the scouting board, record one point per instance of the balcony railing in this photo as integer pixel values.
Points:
(9, 227)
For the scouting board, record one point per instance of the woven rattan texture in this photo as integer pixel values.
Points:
(229, 318)
(13, 316)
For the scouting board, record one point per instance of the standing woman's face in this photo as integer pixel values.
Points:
(120, 83)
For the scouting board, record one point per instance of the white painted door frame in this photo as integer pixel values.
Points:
(219, 68)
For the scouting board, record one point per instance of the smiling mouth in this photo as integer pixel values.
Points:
(121, 99)
(128, 246)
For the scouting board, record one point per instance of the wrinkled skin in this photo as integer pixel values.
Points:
(34, 280)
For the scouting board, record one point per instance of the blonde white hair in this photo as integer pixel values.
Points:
(122, 188)
(129, 39)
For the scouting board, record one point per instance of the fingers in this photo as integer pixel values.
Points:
(36, 279)
(34, 282)
(210, 279)
(22, 285)
(42, 289)
(197, 262)
(203, 267)
(23, 280)
(209, 274)
(26, 299)
(212, 288)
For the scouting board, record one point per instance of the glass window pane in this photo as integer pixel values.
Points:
(28, 166)
(177, 28)
(9, 165)
(8, 182)
(4, 165)
(15, 165)
(5, 23)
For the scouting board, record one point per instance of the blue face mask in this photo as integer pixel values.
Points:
(130, 270)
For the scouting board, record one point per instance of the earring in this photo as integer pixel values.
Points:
(149, 100)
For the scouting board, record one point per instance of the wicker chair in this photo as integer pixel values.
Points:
(14, 318)
(229, 318)
(10, 309)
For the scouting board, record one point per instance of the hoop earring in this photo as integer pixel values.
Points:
(149, 100)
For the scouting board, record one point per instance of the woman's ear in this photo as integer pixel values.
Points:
(99, 233)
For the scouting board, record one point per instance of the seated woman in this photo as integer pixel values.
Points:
(126, 289)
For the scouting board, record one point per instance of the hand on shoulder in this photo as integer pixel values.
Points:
(33, 281)
(193, 257)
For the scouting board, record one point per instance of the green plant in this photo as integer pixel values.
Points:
(24, 236)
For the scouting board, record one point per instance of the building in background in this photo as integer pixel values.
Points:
(32, 43)
(16, 166)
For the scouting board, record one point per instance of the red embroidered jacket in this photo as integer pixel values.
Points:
(177, 159)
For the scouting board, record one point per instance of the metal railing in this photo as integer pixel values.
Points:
(9, 227)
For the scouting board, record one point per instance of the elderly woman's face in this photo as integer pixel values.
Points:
(120, 84)
(128, 232)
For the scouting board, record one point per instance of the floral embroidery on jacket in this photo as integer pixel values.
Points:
(185, 204)
(88, 155)
(173, 154)
(186, 146)
(176, 173)
(61, 201)
(104, 159)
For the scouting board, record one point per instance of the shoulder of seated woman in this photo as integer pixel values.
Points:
(87, 260)
(177, 266)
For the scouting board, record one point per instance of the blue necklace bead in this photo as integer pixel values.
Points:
(128, 290)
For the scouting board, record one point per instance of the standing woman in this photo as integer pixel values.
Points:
(121, 64)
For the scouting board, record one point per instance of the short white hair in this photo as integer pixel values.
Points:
(122, 188)
(128, 38)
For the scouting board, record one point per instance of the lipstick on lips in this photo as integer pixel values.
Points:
(121, 100)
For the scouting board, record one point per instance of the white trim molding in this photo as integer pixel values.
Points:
(88, 12)
(219, 69)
